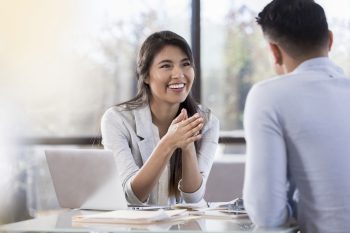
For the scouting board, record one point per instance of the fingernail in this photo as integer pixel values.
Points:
(196, 115)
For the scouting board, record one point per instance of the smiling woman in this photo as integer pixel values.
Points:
(171, 76)
(164, 143)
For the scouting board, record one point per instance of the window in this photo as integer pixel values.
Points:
(235, 55)
(65, 62)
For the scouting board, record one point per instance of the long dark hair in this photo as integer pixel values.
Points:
(149, 49)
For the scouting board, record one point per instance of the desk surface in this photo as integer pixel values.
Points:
(62, 222)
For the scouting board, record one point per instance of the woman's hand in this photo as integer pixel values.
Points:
(184, 130)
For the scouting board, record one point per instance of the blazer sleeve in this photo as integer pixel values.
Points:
(205, 155)
(116, 138)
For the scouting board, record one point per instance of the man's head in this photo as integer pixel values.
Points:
(298, 27)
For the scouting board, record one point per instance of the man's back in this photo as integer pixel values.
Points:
(307, 110)
(298, 125)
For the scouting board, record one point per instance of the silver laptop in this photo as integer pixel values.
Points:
(86, 179)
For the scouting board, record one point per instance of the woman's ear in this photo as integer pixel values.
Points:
(276, 52)
(146, 80)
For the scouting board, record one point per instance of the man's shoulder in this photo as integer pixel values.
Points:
(272, 91)
(266, 86)
(275, 82)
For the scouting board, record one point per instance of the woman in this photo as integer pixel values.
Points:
(164, 143)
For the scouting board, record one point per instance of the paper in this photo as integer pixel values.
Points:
(215, 210)
(192, 206)
(132, 216)
(234, 207)
(216, 214)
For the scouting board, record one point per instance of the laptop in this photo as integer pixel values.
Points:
(86, 179)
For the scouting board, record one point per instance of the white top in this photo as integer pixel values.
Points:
(132, 136)
(298, 132)
(163, 183)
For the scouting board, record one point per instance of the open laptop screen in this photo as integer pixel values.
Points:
(86, 179)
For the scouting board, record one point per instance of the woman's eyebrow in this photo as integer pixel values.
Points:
(170, 61)
(165, 61)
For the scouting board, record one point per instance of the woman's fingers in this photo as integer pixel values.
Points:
(195, 130)
(193, 124)
(182, 116)
(185, 113)
(186, 129)
(193, 138)
(190, 122)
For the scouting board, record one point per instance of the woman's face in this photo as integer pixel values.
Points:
(171, 76)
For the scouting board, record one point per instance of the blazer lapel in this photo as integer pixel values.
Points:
(144, 125)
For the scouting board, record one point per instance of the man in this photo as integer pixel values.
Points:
(297, 126)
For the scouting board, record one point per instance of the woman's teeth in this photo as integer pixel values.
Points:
(177, 86)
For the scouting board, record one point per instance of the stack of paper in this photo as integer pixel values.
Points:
(218, 214)
(219, 210)
(192, 206)
(133, 217)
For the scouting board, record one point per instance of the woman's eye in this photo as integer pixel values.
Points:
(165, 66)
(187, 64)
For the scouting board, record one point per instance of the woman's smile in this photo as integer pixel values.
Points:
(177, 87)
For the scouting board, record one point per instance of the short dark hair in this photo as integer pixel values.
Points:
(298, 26)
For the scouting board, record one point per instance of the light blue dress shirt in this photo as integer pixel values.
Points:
(298, 139)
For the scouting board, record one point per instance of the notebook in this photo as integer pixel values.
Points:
(134, 217)
(86, 179)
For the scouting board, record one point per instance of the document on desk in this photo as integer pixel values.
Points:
(217, 214)
(133, 217)
(217, 210)
(191, 206)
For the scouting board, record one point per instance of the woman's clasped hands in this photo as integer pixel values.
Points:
(184, 130)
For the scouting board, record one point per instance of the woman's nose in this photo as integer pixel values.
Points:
(178, 73)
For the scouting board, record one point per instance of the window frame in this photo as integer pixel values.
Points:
(224, 138)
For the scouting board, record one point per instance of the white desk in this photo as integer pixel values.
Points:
(62, 222)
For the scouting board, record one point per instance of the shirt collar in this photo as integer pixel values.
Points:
(319, 64)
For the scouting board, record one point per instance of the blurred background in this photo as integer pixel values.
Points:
(64, 62)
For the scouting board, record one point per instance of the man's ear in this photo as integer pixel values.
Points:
(330, 40)
(276, 52)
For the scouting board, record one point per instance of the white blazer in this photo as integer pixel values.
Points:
(131, 136)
